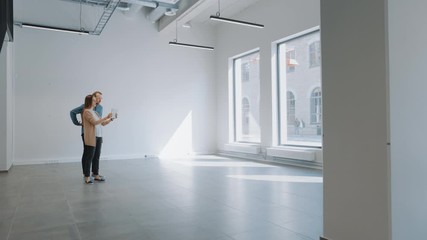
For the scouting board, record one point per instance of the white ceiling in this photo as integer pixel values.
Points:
(200, 12)
(228, 9)
(66, 14)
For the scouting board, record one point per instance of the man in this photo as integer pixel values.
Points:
(98, 109)
(79, 110)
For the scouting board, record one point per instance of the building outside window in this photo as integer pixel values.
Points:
(245, 72)
(246, 94)
(300, 118)
(246, 110)
(316, 106)
(291, 107)
(315, 54)
(291, 61)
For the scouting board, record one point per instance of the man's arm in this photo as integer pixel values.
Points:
(73, 114)
(98, 109)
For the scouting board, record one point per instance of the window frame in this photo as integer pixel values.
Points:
(277, 105)
(233, 98)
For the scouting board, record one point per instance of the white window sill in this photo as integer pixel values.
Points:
(243, 148)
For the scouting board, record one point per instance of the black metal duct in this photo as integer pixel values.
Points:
(6, 21)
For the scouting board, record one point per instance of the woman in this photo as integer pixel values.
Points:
(92, 137)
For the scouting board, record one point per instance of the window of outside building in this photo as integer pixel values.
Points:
(246, 94)
(291, 106)
(316, 106)
(315, 54)
(299, 121)
(246, 109)
(245, 72)
(291, 61)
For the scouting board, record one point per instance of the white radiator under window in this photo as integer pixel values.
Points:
(243, 148)
(293, 153)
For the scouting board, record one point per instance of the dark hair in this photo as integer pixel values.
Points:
(88, 101)
(96, 92)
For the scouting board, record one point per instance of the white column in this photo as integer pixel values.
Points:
(6, 106)
(355, 95)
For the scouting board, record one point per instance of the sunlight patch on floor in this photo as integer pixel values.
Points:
(222, 164)
(279, 178)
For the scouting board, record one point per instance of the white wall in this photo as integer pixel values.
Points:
(408, 113)
(281, 19)
(164, 94)
(6, 104)
(355, 91)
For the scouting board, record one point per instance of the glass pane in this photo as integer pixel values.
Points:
(300, 95)
(246, 98)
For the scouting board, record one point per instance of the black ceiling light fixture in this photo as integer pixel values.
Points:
(82, 31)
(190, 45)
(178, 44)
(218, 18)
(56, 29)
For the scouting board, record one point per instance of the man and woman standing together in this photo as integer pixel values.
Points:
(92, 122)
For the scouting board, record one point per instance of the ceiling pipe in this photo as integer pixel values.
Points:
(123, 6)
(105, 3)
(90, 2)
(143, 3)
(159, 8)
(156, 14)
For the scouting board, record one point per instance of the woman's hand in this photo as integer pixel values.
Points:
(106, 122)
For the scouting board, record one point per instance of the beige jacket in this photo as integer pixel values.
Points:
(89, 122)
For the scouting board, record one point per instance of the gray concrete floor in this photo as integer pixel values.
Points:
(181, 199)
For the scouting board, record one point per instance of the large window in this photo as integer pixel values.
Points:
(299, 90)
(246, 94)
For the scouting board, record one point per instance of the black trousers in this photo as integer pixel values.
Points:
(91, 157)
